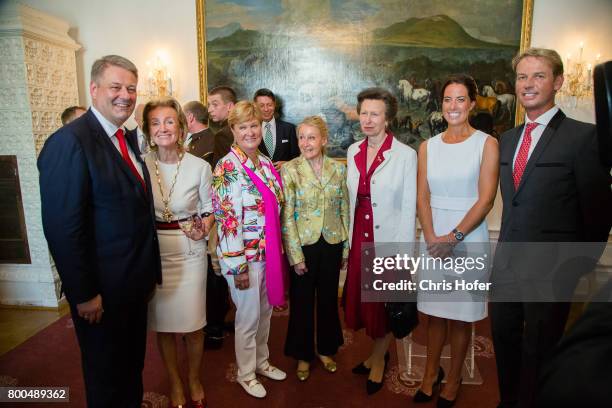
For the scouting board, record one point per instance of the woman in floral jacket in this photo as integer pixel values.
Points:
(247, 196)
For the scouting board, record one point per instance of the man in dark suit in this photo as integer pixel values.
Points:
(279, 138)
(141, 140)
(98, 218)
(221, 101)
(72, 113)
(201, 141)
(578, 372)
(555, 190)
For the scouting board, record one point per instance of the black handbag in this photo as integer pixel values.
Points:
(403, 317)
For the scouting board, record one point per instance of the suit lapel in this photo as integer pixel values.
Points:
(263, 149)
(279, 138)
(304, 167)
(387, 154)
(194, 140)
(545, 139)
(506, 175)
(327, 172)
(104, 141)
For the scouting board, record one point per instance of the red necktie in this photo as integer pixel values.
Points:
(521, 158)
(126, 156)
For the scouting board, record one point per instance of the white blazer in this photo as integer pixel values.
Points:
(393, 190)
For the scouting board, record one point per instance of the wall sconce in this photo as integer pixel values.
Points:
(159, 82)
(578, 84)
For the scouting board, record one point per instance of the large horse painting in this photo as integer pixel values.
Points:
(317, 55)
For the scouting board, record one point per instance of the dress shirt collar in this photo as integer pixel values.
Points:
(544, 118)
(272, 123)
(109, 127)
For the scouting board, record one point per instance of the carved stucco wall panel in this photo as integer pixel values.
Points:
(37, 82)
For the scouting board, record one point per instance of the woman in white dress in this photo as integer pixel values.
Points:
(181, 189)
(456, 187)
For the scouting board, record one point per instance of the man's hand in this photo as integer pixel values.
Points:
(91, 310)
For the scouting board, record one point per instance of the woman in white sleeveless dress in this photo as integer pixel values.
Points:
(457, 184)
(181, 186)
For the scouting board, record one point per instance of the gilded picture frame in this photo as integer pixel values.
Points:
(414, 119)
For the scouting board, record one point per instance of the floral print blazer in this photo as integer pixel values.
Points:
(314, 207)
(239, 210)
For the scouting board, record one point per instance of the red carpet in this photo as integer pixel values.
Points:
(51, 358)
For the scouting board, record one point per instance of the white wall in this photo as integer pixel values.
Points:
(135, 30)
(563, 24)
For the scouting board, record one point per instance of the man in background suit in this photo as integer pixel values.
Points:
(279, 139)
(140, 136)
(201, 140)
(221, 101)
(201, 143)
(554, 189)
(72, 113)
(98, 218)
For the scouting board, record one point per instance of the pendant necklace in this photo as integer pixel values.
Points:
(166, 213)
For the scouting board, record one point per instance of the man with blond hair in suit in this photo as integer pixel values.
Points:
(555, 190)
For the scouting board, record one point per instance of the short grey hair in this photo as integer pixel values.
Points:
(98, 67)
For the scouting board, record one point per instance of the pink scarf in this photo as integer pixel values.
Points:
(275, 264)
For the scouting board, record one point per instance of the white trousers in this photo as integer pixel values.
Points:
(252, 322)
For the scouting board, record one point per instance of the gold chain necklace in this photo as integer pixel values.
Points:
(166, 213)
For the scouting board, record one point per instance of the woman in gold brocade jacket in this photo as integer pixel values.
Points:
(315, 220)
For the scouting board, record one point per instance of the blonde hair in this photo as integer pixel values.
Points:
(551, 56)
(316, 122)
(165, 102)
(243, 111)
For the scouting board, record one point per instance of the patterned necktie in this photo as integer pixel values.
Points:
(523, 155)
(126, 156)
(269, 140)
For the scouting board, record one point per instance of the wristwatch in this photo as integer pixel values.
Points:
(459, 236)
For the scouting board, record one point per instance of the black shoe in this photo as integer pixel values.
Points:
(372, 387)
(362, 369)
(420, 396)
(444, 403)
(213, 343)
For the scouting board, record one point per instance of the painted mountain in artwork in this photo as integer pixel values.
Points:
(438, 31)
(238, 40)
(213, 33)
